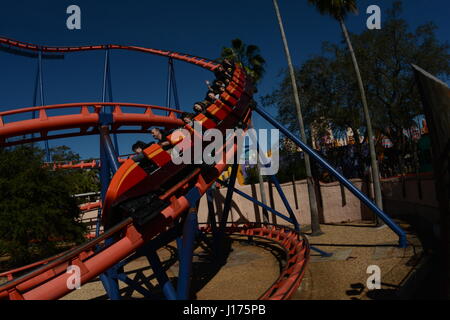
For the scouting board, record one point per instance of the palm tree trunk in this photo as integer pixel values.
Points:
(315, 225)
(373, 157)
(263, 192)
(261, 185)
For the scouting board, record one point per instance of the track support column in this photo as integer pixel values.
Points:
(186, 253)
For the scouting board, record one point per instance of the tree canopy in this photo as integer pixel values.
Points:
(81, 181)
(338, 9)
(248, 55)
(328, 86)
(37, 210)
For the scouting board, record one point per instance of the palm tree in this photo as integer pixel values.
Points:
(339, 9)
(248, 55)
(315, 225)
(250, 58)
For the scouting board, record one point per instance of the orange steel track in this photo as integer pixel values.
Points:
(47, 279)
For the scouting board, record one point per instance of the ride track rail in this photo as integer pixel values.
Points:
(48, 278)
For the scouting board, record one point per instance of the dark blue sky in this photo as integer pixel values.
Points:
(197, 27)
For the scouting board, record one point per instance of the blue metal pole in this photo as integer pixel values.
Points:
(110, 152)
(361, 196)
(211, 212)
(111, 98)
(274, 179)
(285, 202)
(259, 203)
(184, 276)
(109, 282)
(41, 89)
(105, 75)
(228, 198)
(35, 94)
(179, 239)
(161, 276)
(169, 84)
(174, 88)
(104, 181)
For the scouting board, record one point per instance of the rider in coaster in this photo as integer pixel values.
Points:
(139, 146)
(188, 118)
(211, 97)
(200, 107)
(221, 73)
(161, 138)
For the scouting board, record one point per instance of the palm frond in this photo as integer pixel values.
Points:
(335, 8)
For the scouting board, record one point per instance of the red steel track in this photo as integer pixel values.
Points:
(47, 279)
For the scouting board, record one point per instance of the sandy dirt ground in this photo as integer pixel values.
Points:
(250, 269)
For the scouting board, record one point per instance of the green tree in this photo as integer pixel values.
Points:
(37, 211)
(387, 55)
(339, 9)
(329, 91)
(248, 55)
(81, 181)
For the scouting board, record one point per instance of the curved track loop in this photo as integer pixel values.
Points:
(202, 62)
(49, 279)
(86, 117)
(297, 251)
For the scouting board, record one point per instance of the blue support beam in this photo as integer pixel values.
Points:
(171, 88)
(174, 87)
(275, 181)
(211, 212)
(41, 93)
(161, 276)
(109, 151)
(286, 203)
(109, 164)
(131, 283)
(360, 195)
(107, 88)
(259, 203)
(169, 84)
(110, 283)
(228, 198)
(185, 255)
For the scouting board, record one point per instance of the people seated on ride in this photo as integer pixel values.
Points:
(200, 107)
(221, 73)
(218, 87)
(227, 63)
(208, 84)
(215, 85)
(140, 157)
(219, 83)
(188, 118)
(220, 90)
(161, 138)
(139, 146)
(211, 97)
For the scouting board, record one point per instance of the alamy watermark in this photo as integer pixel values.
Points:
(374, 21)
(374, 280)
(213, 147)
(73, 22)
(74, 280)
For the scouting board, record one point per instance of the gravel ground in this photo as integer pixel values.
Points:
(355, 247)
(251, 269)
